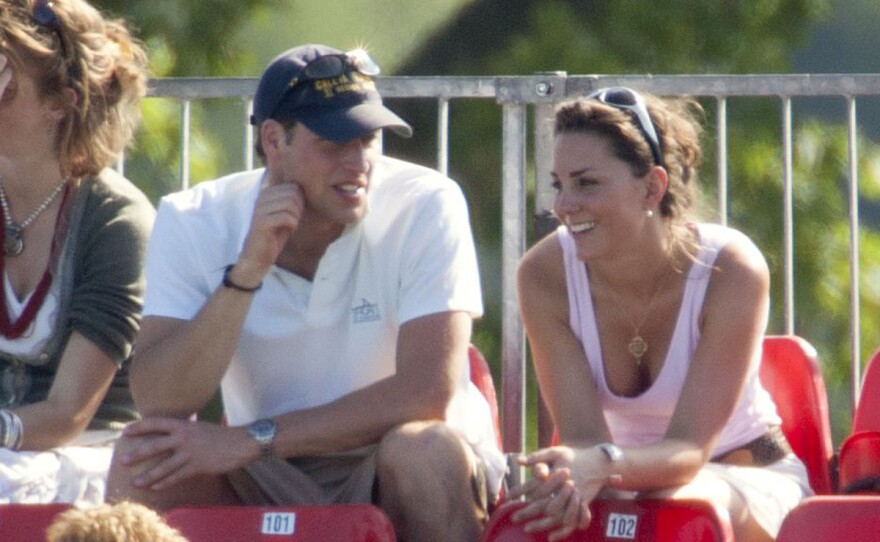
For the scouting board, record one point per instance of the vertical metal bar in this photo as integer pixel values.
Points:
(443, 135)
(721, 157)
(787, 216)
(185, 127)
(248, 151)
(854, 295)
(513, 220)
(544, 220)
(544, 194)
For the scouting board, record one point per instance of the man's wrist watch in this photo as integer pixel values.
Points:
(611, 451)
(263, 431)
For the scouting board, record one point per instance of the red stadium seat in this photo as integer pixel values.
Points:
(481, 376)
(867, 414)
(27, 522)
(859, 456)
(791, 373)
(859, 463)
(832, 518)
(353, 522)
(641, 520)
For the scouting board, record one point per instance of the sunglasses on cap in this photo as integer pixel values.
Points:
(630, 100)
(44, 15)
(329, 66)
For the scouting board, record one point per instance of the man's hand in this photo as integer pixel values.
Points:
(180, 449)
(277, 215)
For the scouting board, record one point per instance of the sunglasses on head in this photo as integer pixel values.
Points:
(329, 66)
(45, 16)
(630, 100)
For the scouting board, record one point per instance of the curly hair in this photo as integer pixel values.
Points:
(678, 123)
(97, 59)
(121, 522)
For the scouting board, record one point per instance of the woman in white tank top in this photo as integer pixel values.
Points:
(646, 330)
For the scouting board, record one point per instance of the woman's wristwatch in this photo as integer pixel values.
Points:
(611, 451)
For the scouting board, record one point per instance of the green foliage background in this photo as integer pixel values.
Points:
(509, 37)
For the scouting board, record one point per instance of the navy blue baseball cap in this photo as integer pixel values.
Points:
(332, 92)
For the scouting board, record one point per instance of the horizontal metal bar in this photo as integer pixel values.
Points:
(533, 89)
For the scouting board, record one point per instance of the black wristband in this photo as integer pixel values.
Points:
(227, 282)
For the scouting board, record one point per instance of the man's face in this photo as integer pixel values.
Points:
(334, 177)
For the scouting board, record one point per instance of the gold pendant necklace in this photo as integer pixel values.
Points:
(637, 345)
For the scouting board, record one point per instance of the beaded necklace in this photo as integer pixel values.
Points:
(15, 329)
(13, 240)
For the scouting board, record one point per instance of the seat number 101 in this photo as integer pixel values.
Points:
(278, 523)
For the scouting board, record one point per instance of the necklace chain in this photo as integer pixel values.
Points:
(637, 345)
(13, 242)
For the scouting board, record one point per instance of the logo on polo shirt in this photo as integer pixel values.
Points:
(365, 312)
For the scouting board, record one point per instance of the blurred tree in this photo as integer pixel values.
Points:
(182, 39)
(190, 38)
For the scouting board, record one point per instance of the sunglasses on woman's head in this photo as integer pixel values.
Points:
(45, 16)
(630, 100)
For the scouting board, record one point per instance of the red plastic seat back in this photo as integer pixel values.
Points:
(832, 519)
(790, 372)
(350, 522)
(859, 463)
(27, 522)
(867, 415)
(642, 520)
(481, 376)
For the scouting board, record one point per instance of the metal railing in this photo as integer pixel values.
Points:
(519, 96)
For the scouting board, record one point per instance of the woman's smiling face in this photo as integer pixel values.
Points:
(598, 198)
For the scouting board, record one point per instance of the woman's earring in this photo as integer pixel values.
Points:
(649, 213)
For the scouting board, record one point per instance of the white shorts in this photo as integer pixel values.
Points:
(69, 474)
(770, 492)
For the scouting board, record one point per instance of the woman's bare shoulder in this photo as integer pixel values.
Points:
(543, 264)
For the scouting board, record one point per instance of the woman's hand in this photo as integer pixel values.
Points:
(564, 482)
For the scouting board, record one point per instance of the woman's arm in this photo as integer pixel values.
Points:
(733, 322)
(84, 374)
(103, 313)
(564, 479)
(563, 373)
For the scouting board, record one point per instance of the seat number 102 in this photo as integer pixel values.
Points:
(621, 526)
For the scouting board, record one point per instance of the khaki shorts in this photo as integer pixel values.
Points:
(343, 478)
(347, 477)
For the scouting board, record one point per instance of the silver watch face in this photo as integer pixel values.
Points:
(611, 451)
(263, 431)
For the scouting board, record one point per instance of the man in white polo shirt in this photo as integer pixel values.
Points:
(330, 296)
